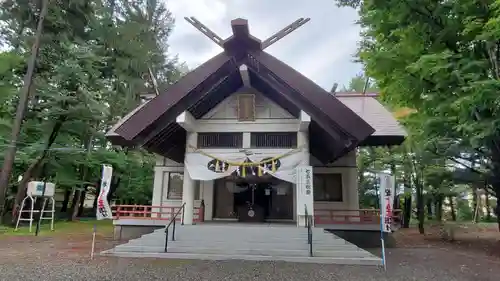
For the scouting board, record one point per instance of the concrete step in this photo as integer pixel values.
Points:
(239, 237)
(218, 240)
(222, 242)
(247, 242)
(209, 229)
(234, 236)
(188, 256)
(247, 251)
(286, 244)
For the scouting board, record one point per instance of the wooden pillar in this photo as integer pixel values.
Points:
(188, 184)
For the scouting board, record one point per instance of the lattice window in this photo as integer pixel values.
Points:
(220, 140)
(246, 107)
(274, 140)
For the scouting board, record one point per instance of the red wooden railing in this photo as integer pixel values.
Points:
(321, 216)
(361, 216)
(147, 212)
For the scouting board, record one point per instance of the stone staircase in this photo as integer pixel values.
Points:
(246, 242)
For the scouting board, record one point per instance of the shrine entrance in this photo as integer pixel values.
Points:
(247, 200)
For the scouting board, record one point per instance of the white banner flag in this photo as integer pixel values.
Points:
(103, 209)
(386, 201)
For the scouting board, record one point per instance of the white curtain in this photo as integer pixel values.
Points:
(203, 166)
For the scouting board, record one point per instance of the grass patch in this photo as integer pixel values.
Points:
(60, 228)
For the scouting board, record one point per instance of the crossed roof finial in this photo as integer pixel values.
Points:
(242, 26)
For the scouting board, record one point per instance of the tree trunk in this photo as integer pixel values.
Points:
(428, 204)
(65, 203)
(115, 182)
(496, 189)
(10, 153)
(420, 209)
(28, 174)
(419, 186)
(488, 206)
(452, 209)
(82, 203)
(495, 177)
(87, 141)
(73, 212)
(407, 211)
(475, 211)
(498, 211)
(97, 191)
(439, 208)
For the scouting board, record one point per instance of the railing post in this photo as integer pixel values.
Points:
(118, 210)
(182, 215)
(173, 220)
(166, 239)
(201, 212)
(309, 238)
(173, 230)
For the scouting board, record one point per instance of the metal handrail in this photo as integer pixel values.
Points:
(308, 223)
(172, 221)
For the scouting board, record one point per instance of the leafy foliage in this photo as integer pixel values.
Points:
(93, 65)
(440, 59)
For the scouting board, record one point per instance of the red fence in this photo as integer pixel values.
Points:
(147, 212)
(361, 216)
(321, 216)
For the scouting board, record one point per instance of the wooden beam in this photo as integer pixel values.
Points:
(244, 75)
(187, 121)
(281, 90)
(305, 120)
(334, 88)
(171, 103)
(205, 30)
(284, 32)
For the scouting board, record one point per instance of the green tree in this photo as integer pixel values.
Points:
(359, 84)
(440, 58)
(94, 63)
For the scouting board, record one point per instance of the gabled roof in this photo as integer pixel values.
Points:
(335, 128)
(388, 131)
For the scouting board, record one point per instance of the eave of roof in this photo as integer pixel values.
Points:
(374, 113)
(154, 123)
(171, 101)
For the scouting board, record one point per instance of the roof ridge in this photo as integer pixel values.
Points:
(356, 94)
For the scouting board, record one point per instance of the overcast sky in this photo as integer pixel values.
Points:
(322, 49)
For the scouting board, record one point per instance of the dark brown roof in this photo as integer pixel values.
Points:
(334, 130)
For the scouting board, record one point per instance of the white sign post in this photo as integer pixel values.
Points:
(387, 190)
(103, 208)
(305, 192)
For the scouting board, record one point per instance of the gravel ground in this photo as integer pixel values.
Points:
(66, 257)
(403, 264)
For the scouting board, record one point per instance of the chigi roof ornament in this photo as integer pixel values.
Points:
(243, 25)
(243, 63)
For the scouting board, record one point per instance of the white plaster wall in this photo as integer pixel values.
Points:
(349, 160)
(160, 190)
(347, 167)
